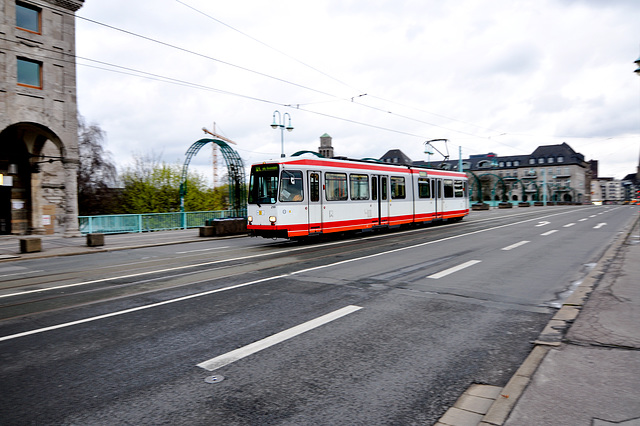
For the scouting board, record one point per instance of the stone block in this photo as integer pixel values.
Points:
(505, 205)
(207, 231)
(480, 206)
(95, 240)
(523, 204)
(30, 245)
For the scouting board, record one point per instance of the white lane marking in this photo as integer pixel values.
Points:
(549, 232)
(192, 296)
(593, 215)
(569, 225)
(269, 254)
(582, 220)
(245, 351)
(600, 225)
(205, 249)
(512, 246)
(454, 269)
(21, 273)
(543, 223)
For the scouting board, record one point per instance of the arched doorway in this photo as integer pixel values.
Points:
(39, 188)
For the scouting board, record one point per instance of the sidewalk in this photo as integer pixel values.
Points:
(57, 245)
(585, 366)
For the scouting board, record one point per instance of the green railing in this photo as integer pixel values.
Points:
(123, 223)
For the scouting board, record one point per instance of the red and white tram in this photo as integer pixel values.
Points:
(302, 196)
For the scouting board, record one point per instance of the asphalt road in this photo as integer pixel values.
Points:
(376, 329)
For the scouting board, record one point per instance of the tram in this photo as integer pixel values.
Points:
(297, 197)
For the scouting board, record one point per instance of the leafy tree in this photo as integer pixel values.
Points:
(97, 174)
(151, 186)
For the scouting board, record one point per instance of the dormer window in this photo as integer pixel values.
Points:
(560, 159)
(532, 161)
(540, 160)
(550, 160)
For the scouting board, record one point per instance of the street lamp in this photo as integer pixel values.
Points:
(280, 124)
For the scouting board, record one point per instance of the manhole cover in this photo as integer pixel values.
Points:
(214, 379)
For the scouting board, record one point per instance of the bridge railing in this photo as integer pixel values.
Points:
(124, 223)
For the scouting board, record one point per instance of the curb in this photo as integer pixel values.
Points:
(73, 251)
(553, 333)
(465, 412)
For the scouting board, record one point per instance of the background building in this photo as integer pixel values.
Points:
(551, 172)
(38, 116)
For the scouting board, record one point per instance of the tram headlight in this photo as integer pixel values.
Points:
(272, 219)
(250, 219)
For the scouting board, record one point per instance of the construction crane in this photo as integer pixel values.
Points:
(215, 151)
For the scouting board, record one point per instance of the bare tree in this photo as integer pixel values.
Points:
(97, 174)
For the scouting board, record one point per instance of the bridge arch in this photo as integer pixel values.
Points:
(235, 173)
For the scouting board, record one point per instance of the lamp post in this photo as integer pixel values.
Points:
(280, 124)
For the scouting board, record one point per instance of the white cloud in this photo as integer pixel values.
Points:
(504, 76)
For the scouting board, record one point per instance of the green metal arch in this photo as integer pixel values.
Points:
(235, 173)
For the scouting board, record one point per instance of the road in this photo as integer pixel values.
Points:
(383, 328)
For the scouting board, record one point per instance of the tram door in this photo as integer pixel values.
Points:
(314, 202)
(380, 198)
(437, 192)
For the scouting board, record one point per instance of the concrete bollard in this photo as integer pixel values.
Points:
(505, 206)
(524, 204)
(95, 240)
(30, 245)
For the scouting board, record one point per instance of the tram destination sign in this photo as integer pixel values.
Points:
(265, 168)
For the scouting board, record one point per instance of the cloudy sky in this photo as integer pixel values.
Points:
(501, 76)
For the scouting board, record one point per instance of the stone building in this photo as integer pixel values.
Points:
(552, 172)
(38, 117)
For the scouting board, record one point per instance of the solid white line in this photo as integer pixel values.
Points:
(549, 232)
(568, 225)
(521, 243)
(139, 308)
(329, 265)
(206, 249)
(245, 351)
(454, 269)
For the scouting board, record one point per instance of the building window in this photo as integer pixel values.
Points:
(28, 17)
(508, 163)
(29, 73)
(532, 161)
(501, 164)
(550, 160)
(560, 159)
(516, 163)
(540, 160)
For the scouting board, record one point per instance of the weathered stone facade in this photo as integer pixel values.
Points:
(38, 117)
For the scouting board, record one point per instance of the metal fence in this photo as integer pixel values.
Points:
(123, 223)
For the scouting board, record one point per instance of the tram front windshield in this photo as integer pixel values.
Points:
(263, 184)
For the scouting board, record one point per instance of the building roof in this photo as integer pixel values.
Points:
(396, 156)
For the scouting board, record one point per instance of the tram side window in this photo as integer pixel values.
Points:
(383, 188)
(424, 188)
(314, 186)
(359, 187)
(448, 188)
(291, 186)
(397, 188)
(374, 188)
(458, 188)
(336, 186)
